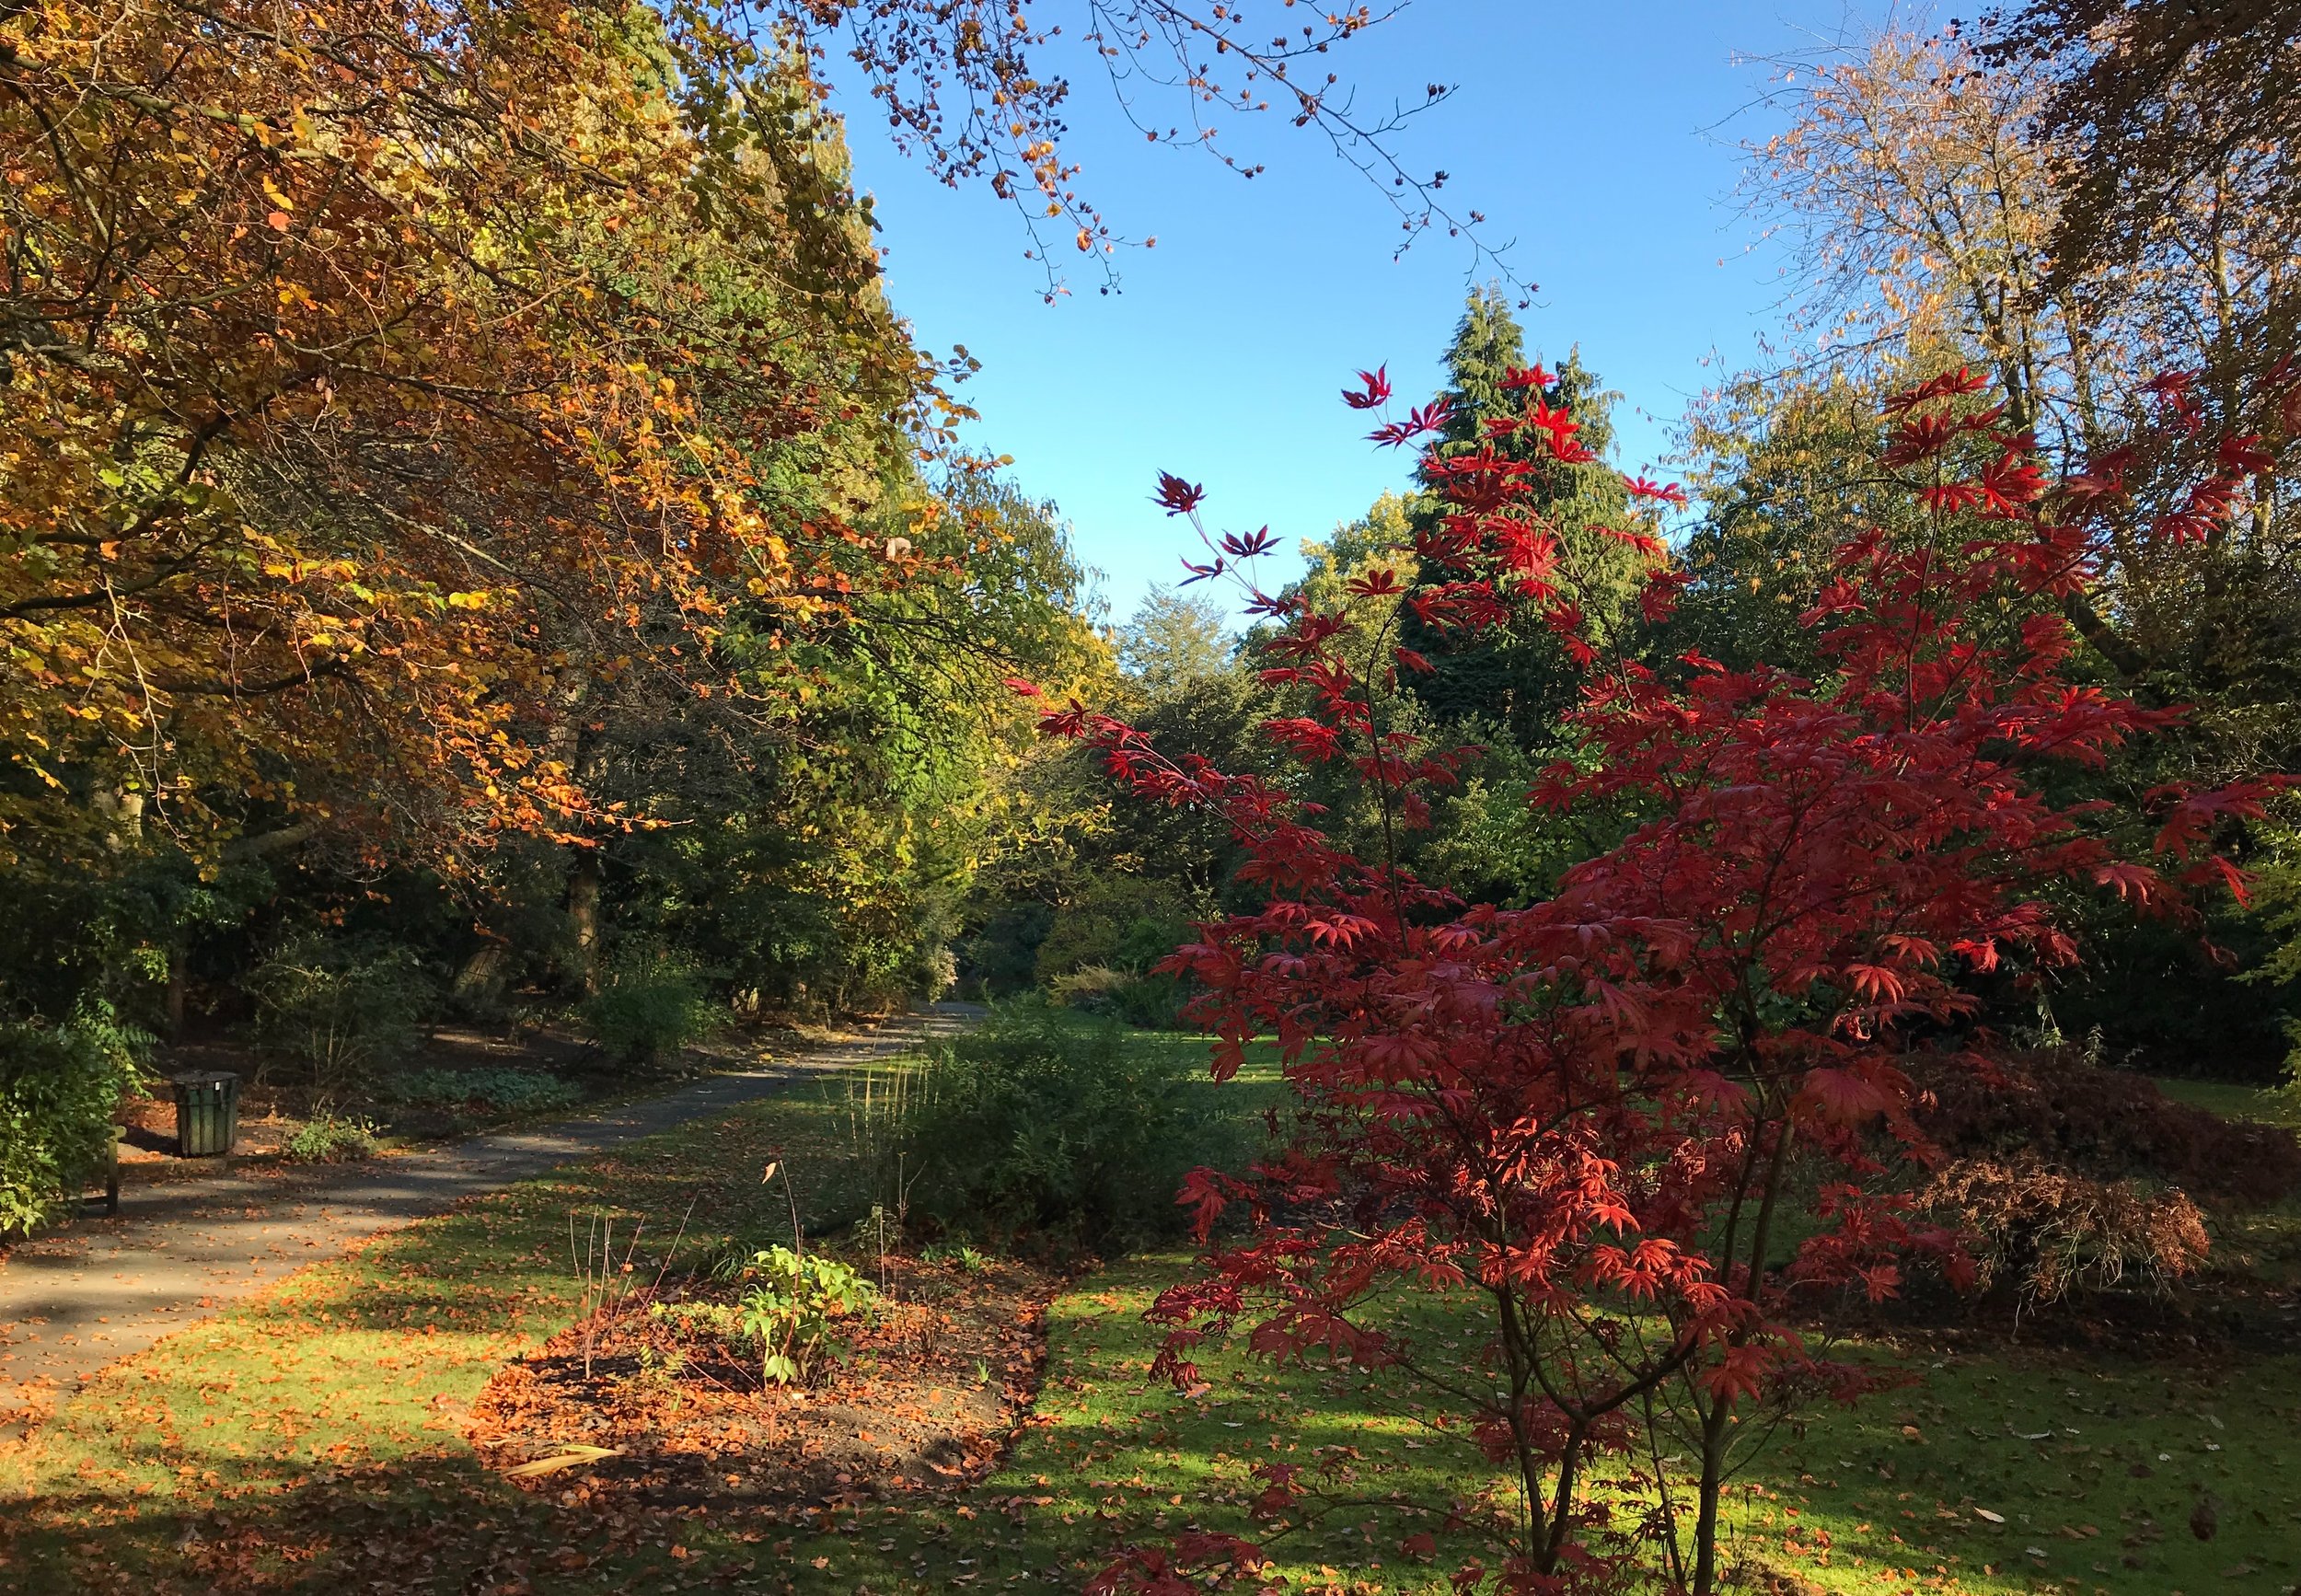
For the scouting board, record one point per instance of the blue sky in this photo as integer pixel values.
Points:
(1602, 138)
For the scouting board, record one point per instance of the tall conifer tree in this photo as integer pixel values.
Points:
(1516, 680)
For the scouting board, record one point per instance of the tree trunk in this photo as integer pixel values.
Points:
(1715, 1427)
(583, 915)
(176, 983)
(2128, 661)
(480, 983)
(122, 810)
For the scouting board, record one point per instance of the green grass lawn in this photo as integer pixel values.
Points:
(310, 1438)
(2269, 1105)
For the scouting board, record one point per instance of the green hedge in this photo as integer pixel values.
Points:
(650, 1004)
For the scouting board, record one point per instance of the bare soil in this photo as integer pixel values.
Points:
(923, 1396)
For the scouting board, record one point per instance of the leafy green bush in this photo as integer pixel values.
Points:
(966, 1259)
(789, 1306)
(1125, 922)
(331, 1139)
(651, 1005)
(498, 1090)
(1041, 1122)
(1151, 1002)
(342, 1008)
(59, 1088)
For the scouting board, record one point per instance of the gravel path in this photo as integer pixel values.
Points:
(101, 1288)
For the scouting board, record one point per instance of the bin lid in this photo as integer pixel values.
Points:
(204, 1077)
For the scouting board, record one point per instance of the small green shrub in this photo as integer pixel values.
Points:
(651, 1005)
(720, 1320)
(790, 1305)
(342, 1008)
(60, 1086)
(331, 1139)
(1041, 1122)
(501, 1090)
(966, 1259)
(1151, 1002)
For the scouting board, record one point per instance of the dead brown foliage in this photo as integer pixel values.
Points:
(2045, 1232)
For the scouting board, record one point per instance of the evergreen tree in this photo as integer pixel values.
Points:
(1516, 681)
(1174, 639)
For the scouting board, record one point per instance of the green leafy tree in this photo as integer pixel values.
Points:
(1782, 473)
(828, 852)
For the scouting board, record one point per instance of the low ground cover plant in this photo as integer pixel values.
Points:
(332, 1138)
(792, 1304)
(788, 1309)
(497, 1091)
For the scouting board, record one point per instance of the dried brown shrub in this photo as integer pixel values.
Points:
(2044, 1232)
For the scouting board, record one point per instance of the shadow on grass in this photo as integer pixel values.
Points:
(438, 1524)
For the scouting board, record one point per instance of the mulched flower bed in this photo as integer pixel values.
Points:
(924, 1395)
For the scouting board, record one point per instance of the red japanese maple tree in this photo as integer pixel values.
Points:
(1636, 1123)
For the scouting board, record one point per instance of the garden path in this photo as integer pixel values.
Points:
(100, 1289)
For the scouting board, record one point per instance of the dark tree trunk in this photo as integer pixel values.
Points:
(583, 915)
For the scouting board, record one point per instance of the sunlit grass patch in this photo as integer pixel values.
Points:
(2021, 1470)
(2269, 1105)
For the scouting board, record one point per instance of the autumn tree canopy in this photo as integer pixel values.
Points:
(464, 480)
(375, 384)
(2153, 105)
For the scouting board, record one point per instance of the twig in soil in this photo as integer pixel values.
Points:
(666, 1268)
(599, 1271)
(791, 1195)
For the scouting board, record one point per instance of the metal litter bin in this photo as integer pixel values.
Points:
(207, 1112)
